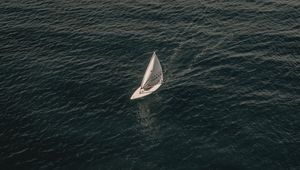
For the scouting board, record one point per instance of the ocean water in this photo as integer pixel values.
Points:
(230, 99)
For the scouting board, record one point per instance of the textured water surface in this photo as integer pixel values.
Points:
(230, 100)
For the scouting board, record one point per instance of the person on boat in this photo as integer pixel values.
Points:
(147, 87)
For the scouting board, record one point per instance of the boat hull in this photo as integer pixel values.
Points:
(140, 93)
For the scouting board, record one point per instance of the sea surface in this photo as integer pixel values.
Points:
(230, 98)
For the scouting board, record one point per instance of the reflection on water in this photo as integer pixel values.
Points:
(146, 116)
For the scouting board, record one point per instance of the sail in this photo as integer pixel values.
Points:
(153, 74)
(152, 79)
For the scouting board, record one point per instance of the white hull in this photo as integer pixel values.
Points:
(139, 93)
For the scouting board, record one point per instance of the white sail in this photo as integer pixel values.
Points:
(153, 74)
(148, 70)
(152, 79)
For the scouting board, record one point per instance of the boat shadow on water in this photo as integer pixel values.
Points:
(147, 117)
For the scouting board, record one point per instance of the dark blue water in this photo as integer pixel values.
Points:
(230, 100)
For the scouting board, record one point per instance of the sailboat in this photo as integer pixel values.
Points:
(152, 79)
